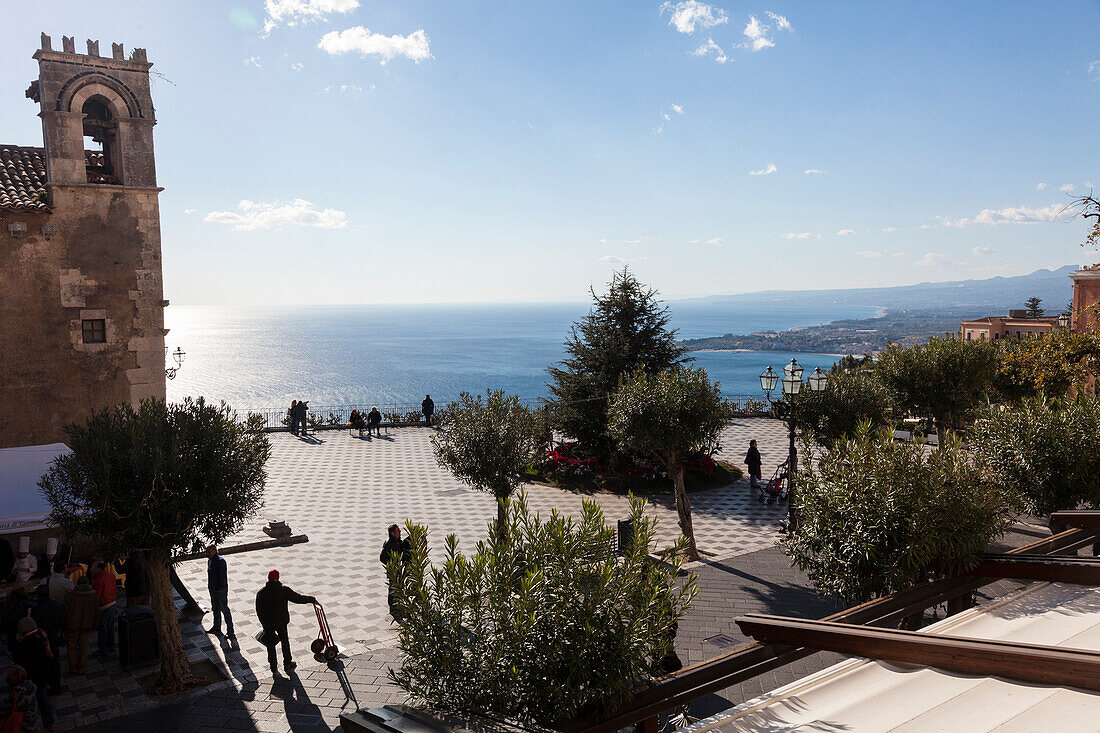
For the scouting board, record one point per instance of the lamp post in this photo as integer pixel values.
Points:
(177, 356)
(792, 386)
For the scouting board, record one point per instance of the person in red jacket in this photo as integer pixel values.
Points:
(105, 589)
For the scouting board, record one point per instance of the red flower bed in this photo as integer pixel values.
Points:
(565, 461)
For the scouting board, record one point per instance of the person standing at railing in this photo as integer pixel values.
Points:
(427, 407)
(292, 413)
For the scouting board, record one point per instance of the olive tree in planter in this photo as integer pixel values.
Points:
(159, 479)
(668, 414)
(878, 516)
(488, 444)
(1047, 452)
(547, 625)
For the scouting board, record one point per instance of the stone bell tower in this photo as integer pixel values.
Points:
(81, 294)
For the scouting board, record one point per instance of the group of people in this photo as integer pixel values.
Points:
(297, 415)
(53, 604)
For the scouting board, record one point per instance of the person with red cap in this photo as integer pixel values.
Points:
(274, 616)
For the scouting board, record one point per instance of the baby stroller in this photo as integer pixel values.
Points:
(775, 489)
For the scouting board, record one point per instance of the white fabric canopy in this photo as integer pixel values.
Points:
(22, 506)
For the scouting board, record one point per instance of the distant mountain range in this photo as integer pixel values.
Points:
(995, 295)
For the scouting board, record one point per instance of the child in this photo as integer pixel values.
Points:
(19, 698)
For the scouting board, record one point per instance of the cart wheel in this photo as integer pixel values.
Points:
(330, 653)
(317, 646)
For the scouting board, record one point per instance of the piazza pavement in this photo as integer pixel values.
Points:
(343, 491)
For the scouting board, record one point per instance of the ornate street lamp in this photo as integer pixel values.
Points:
(768, 382)
(177, 356)
(817, 380)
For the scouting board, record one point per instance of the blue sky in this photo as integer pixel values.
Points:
(344, 151)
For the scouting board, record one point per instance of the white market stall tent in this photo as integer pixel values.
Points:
(23, 508)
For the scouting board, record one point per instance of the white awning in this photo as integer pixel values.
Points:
(22, 506)
(862, 695)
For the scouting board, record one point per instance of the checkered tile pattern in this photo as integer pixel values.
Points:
(343, 491)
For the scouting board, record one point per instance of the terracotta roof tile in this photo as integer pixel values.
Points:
(22, 177)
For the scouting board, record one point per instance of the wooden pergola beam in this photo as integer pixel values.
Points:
(1056, 569)
(1079, 518)
(1034, 663)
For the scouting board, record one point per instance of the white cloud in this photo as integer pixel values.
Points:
(296, 66)
(756, 33)
(677, 109)
(801, 235)
(688, 15)
(980, 251)
(932, 259)
(360, 40)
(292, 12)
(603, 241)
(1009, 215)
(639, 240)
(765, 171)
(345, 88)
(814, 172)
(890, 229)
(1094, 70)
(870, 253)
(1067, 187)
(251, 216)
(781, 23)
(612, 258)
(252, 61)
(190, 211)
(712, 240)
(1040, 187)
(846, 232)
(710, 47)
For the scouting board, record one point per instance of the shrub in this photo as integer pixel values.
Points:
(548, 625)
(1047, 452)
(877, 516)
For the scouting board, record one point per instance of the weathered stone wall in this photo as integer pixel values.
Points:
(103, 262)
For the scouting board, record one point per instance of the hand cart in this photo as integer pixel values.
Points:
(323, 644)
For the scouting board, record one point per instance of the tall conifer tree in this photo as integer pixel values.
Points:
(626, 330)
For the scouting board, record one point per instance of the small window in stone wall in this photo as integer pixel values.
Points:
(95, 330)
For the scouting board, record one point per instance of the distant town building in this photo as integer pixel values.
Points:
(1016, 324)
(81, 294)
(1086, 296)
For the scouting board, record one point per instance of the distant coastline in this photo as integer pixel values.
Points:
(847, 336)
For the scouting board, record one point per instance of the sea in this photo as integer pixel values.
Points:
(261, 357)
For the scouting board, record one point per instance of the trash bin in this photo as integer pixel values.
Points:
(137, 638)
(626, 536)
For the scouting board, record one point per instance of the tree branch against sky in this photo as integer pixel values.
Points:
(465, 152)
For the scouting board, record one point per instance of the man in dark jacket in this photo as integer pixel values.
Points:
(752, 460)
(395, 547)
(217, 581)
(32, 653)
(428, 408)
(81, 618)
(49, 615)
(374, 421)
(274, 616)
(135, 581)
